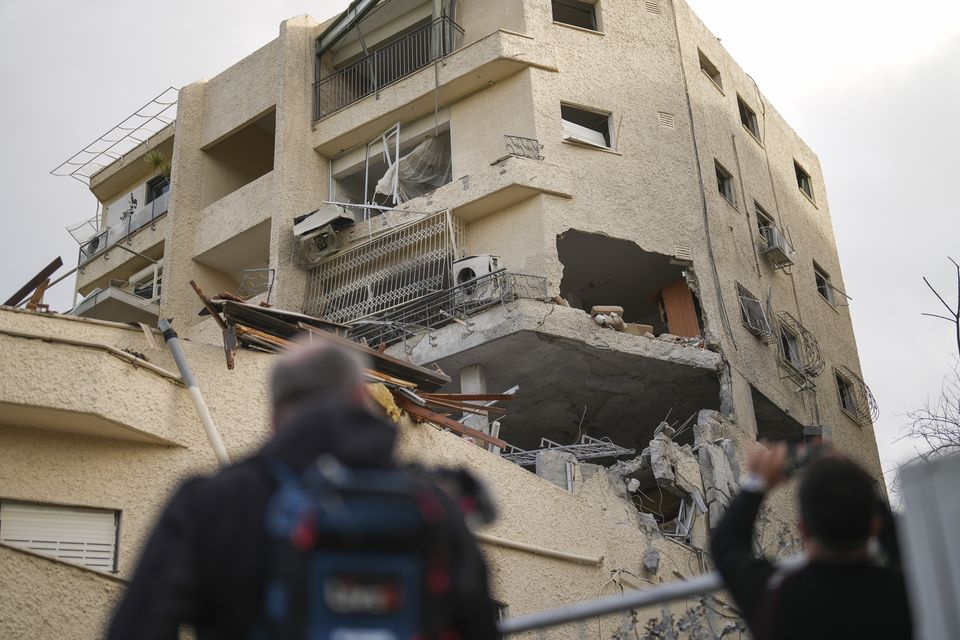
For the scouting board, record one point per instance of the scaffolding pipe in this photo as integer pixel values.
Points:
(170, 337)
(680, 590)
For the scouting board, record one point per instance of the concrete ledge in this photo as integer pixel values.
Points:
(472, 68)
(73, 389)
(506, 183)
(234, 213)
(550, 320)
(130, 166)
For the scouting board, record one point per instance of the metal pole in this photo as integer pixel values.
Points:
(698, 585)
(170, 337)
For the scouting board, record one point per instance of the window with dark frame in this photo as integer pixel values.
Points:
(822, 279)
(586, 127)
(764, 220)
(725, 183)
(748, 118)
(845, 393)
(156, 187)
(710, 69)
(575, 13)
(790, 348)
(803, 180)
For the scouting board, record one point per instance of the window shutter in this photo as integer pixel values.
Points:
(579, 133)
(86, 537)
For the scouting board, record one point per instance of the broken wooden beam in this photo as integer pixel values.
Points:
(33, 283)
(426, 415)
(208, 305)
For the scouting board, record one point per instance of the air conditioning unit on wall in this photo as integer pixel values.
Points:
(467, 270)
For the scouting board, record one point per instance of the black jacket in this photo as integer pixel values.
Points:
(204, 565)
(820, 599)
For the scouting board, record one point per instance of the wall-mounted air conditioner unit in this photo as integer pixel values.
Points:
(777, 248)
(466, 272)
(318, 232)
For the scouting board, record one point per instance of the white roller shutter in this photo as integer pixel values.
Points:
(586, 135)
(86, 537)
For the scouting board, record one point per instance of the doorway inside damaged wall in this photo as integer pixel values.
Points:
(651, 288)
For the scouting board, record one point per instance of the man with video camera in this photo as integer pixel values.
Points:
(841, 589)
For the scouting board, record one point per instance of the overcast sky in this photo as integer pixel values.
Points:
(872, 85)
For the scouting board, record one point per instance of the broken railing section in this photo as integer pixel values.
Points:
(587, 449)
(453, 305)
(414, 389)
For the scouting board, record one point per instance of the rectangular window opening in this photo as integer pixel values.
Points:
(585, 127)
(576, 13)
(822, 280)
(845, 391)
(725, 183)
(710, 69)
(764, 220)
(748, 118)
(803, 180)
(790, 348)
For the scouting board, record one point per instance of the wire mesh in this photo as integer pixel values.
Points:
(408, 263)
(147, 121)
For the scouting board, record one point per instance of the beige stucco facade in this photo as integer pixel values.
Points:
(90, 423)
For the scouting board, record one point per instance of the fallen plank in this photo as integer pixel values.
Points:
(443, 421)
(462, 406)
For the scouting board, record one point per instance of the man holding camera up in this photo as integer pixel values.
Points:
(840, 590)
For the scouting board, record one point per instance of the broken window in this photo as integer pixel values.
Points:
(725, 183)
(576, 13)
(600, 271)
(748, 118)
(803, 180)
(393, 168)
(752, 314)
(585, 127)
(710, 69)
(822, 280)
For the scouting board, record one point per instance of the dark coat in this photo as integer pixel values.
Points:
(204, 564)
(821, 599)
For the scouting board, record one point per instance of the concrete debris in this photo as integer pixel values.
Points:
(638, 329)
(718, 464)
(633, 485)
(606, 309)
(651, 560)
(649, 524)
(556, 468)
(560, 301)
(665, 429)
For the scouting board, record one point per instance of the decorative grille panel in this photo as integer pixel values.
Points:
(402, 265)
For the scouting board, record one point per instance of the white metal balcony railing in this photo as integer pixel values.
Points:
(386, 65)
(386, 271)
(96, 242)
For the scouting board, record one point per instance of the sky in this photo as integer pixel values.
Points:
(873, 86)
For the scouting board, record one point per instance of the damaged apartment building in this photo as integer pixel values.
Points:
(586, 206)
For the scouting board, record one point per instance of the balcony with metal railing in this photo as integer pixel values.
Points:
(99, 241)
(386, 65)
